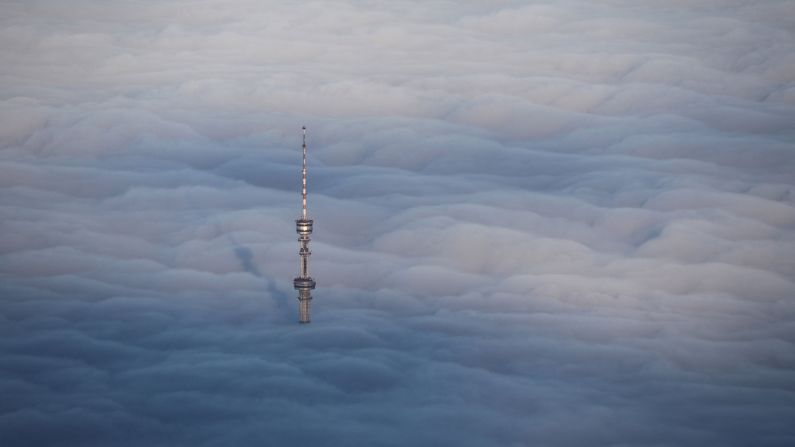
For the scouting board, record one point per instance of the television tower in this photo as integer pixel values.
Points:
(303, 226)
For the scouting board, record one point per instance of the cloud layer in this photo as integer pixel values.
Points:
(537, 223)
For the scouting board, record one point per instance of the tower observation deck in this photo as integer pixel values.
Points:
(303, 226)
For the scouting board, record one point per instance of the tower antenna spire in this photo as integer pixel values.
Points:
(303, 226)
(303, 179)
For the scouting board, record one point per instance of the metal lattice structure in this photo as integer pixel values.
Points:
(303, 226)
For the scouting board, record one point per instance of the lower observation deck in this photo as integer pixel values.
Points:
(304, 283)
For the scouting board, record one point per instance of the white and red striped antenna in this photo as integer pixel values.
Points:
(303, 180)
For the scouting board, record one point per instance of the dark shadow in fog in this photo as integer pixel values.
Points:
(246, 258)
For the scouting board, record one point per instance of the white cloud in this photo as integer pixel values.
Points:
(532, 221)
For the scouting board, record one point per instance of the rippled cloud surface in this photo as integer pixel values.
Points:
(560, 223)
